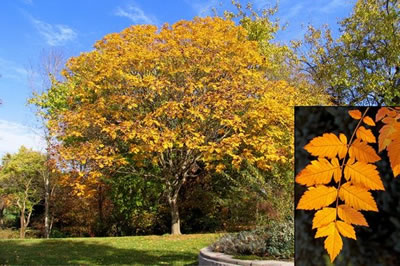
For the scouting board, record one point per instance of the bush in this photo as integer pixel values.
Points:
(9, 233)
(280, 242)
(276, 241)
(56, 233)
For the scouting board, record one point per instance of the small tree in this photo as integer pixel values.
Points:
(21, 179)
(49, 68)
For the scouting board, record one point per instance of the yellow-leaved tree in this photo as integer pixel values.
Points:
(184, 98)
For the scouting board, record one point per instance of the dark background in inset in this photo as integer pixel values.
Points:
(378, 244)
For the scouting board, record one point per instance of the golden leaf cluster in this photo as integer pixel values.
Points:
(339, 182)
(196, 90)
(389, 135)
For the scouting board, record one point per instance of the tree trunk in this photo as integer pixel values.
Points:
(100, 201)
(175, 221)
(100, 204)
(22, 226)
(2, 207)
(1, 218)
(46, 208)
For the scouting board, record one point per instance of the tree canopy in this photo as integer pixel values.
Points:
(21, 180)
(362, 66)
(180, 99)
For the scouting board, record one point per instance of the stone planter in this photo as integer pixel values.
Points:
(209, 258)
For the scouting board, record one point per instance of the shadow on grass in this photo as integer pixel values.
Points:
(56, 252)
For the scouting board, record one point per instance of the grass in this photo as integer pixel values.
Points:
(137, 250)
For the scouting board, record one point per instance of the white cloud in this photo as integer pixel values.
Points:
(334, 4)
(135, 14)
(203, 8)
(11, 70)
(55, 35)
(14, 135)
(291, 13)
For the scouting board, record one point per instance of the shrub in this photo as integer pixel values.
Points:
(56, 233)
(276, 240)
(9, 233)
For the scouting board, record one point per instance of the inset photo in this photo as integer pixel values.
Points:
(347, 191)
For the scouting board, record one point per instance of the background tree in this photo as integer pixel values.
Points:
(41, 76)
(284, 61)
(21, 179)
(362, 66)
(4, 204)
(192, 93)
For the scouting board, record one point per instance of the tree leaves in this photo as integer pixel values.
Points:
(318, 197)
(174, 97)
(325, 230)
(333, 243)
(324, 217)
(349, 194)
(386, 134)
(328, 145)
(357, 197)
(361, 151)
(389, 136)
(351, 216)
(320, 172)
(346, 229)
(368, 120)
(365, 135)
(394, 156)
(363, 174)
(359, 66)
(356, 114)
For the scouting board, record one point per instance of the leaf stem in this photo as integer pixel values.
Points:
(344, 159)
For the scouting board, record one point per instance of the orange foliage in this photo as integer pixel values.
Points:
(351, 160)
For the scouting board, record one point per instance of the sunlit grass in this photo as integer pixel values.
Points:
(138, 250)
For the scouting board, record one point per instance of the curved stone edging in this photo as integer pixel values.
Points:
(209, 258)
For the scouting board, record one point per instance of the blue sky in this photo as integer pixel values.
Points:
(30, 27)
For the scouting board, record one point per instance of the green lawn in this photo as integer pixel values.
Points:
(137, 250)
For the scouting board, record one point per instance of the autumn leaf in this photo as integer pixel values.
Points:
(351, 216)
(320, 172)
(346, 229)
(369, 121)
(333, 243)
(383, 112)
(394, 156)
(328, 145)
(356, 114)
(357, 197)
(363, 174)
(325, 230)
(324, 217)
(318, 197)
(365, 135)
(389, 138)
(359, 172)
(385, 134)
(361, 151)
